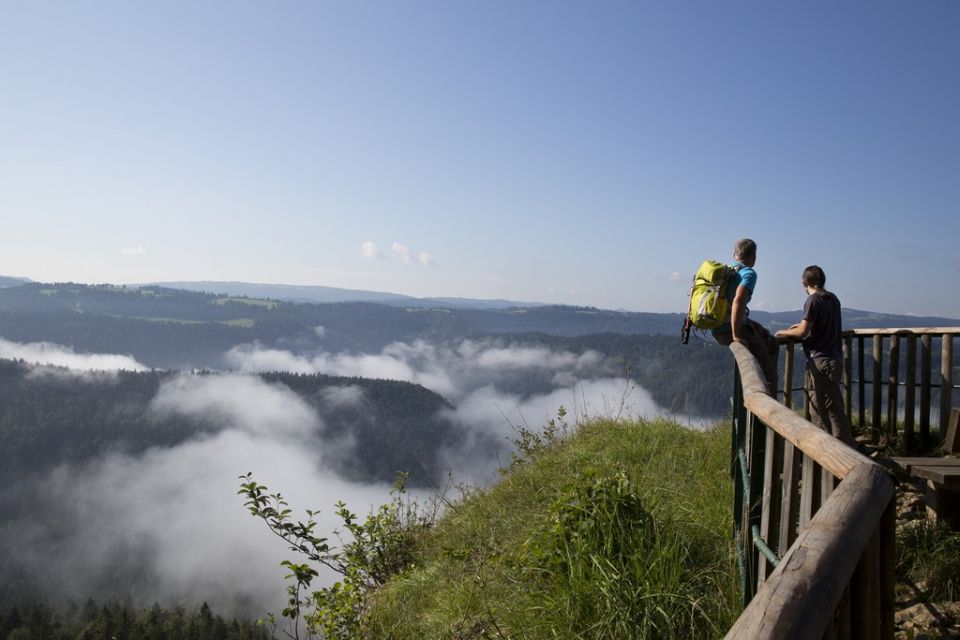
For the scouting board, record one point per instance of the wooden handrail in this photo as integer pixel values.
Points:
(826, 450)
(920, 331)
(800, 597)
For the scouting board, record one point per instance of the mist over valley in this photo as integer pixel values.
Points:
(128, 414)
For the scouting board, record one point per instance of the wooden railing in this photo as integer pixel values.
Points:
(887, 395)
(902, 381)
(814, 521)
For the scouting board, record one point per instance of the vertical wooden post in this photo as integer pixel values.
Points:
(861, 386)
(925, 365)
(827, 484)
(790, 501)
(808, 491)
(843, 616)
(877, 386)
(736, 443)
(865, 593)
(757, 457)
(888, 559)
(946, 382)
(893, 389)
(848, 377)
(910, 392)
(772, 493)
(788, 374)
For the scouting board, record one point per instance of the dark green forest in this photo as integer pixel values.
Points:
(117, 621)
(48, 420)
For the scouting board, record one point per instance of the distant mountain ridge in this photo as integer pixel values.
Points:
(323, 294)
(11, 281)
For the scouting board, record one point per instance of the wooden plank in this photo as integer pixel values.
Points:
(943, 474)
(908, 463)
(800, 597)
(757, 457)
(910, 392)
(772, 494)
(893, 387)
(861, 587)
(951, 444)
(861, 387)
(877, 387)
(920, 331)
(790, 500)
(925, 364)
(848, 377)
(788, 374)
(827, 484)
(946, 382)
(888, 561)
(808, 490)
(843, 616)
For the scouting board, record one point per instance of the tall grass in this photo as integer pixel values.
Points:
(621, 530)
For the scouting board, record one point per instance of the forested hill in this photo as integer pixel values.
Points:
(183, 329)
(51, 416)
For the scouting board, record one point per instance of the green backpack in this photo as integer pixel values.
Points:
(708, 297)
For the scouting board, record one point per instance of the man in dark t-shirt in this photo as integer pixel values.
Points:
(820, 332)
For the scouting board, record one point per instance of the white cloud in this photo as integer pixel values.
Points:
(48, 353)
(398, 251)
(252, 358)
(133, 251)
(241, 402)
(172, 516)
(402, 252)
(676, 277)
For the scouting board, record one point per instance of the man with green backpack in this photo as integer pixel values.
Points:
(719, 302)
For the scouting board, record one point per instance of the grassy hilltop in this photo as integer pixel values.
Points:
(619, 530)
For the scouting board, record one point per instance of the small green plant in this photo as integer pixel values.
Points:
(530, 442)
(614, 569)
(371, 550)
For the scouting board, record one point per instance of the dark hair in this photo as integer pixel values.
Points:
(813, 276)
(744, 249)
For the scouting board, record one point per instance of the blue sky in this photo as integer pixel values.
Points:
(582, 153)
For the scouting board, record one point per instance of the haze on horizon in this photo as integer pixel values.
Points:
(555, 153)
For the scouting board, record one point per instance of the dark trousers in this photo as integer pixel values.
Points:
(823, 380)
(762, 345)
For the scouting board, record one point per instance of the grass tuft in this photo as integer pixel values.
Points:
(618, 530)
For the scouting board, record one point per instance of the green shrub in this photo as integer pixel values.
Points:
(928, 556)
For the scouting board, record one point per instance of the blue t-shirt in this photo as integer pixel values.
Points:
(745, 276)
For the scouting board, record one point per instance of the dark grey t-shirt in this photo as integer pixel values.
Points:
(822, 311)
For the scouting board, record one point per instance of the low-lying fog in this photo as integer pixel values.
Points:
(173, 515)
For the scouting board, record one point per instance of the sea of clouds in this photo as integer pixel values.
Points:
(172, 514)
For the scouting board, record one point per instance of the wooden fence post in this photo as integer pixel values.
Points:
(910, 392)
(925, 365)
(877, 386)
(893, 383)
(946, 382)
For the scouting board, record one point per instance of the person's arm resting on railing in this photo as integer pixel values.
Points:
(798, 331)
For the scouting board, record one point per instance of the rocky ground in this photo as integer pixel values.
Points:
(917, 618)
